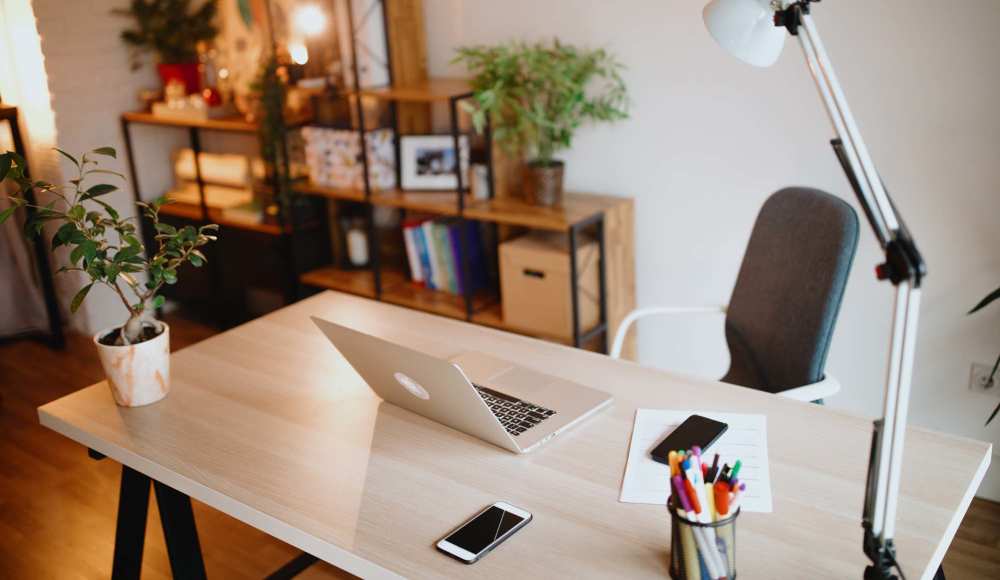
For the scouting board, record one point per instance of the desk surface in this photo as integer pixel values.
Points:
(269, 424)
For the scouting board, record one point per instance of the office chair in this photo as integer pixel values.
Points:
(780, 318)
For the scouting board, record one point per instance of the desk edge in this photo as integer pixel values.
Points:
(270, 525)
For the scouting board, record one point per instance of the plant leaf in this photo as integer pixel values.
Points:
(68, 156)
(158, 301)
(105, 171)
(107, 151)
(77, 212)
(166, 229)
(7, 213)
(78, 299)
(99, 190)
(982, 303)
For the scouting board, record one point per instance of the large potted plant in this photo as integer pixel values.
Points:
(536, 96)
(172, 30)
(105, 247)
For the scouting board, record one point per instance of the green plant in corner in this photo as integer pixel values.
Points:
(104, 245)
(169, 28)
(537, 95)
(993, 373)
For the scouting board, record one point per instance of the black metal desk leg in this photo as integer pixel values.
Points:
(180, 533)
(130, 533)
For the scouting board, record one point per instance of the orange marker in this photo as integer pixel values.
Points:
(692, 496)
(721, 498)
(672, 460)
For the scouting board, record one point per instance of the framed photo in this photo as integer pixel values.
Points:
(428, 161)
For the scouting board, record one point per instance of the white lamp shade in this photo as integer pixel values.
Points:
(745, 28)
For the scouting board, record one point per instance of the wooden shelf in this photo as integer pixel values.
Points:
(359, 282)
(436, 202)
(192, 212)
(432, 90)
(396, 289)
(576, 208)
(232, 123)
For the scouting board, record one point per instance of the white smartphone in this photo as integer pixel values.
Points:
(484, 531)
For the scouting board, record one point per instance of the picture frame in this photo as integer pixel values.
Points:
(427, 161)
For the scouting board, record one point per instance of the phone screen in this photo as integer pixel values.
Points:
(484, 530)
(695, 430)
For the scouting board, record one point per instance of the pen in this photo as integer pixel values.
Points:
(736, 469)
(710, 495)
(672, 462)
(688, 546)
(706, 545)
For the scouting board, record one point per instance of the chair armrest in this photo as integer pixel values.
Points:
(827, 387)
(631, 317)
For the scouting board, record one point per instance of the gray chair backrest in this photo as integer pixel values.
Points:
(785, 303)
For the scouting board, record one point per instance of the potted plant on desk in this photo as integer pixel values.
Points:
(172, 30)
(536, 96)
(105, 247)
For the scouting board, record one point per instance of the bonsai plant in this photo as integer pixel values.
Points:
(536, 96)
(105, 247)
(993, 373)
(172, 30)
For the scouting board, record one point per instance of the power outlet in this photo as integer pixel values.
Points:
(979, 379)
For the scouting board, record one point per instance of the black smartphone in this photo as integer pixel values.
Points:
(695, 430)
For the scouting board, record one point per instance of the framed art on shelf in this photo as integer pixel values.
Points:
(428, 161)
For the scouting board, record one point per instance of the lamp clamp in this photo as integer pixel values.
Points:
(790, 16)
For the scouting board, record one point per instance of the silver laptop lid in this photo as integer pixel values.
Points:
(426, 385)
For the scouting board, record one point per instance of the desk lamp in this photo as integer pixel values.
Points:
(754, 31)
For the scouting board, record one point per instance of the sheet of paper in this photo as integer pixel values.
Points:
(646, 480)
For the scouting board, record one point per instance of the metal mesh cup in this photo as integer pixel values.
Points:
(701, 551)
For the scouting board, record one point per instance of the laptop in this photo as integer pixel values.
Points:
(495, 400)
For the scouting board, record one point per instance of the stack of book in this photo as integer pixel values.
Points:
(434, 251)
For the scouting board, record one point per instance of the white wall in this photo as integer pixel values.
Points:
(710, 138)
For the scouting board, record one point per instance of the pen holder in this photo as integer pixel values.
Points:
(702, 550)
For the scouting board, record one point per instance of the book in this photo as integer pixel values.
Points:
(412, 256)
(424, 254)
(473, 268)
(438, 278)
(446, 259)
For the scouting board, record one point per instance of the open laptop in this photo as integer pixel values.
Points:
(489, 398)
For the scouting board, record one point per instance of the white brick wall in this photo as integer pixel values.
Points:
(91, 85)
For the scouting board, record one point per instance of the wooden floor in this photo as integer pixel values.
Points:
(57, 506)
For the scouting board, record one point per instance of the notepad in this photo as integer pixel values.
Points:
(646, 480)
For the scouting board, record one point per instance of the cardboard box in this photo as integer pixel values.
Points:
(535, 284)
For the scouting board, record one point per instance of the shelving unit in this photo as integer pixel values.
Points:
(278, 257)
(304, 249)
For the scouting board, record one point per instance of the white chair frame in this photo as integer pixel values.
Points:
(827, 387)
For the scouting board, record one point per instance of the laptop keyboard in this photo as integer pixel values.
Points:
(515, 415)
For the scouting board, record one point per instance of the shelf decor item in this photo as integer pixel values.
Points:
(427, 162)
(105, 247)
(334, 158)
(172, 30)
(536, 96)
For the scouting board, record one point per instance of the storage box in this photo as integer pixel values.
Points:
(535, 284)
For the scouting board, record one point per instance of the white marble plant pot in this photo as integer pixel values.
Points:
(138, 374)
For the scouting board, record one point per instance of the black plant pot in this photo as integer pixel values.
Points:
(543, 183)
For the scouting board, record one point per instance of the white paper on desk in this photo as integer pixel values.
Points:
(646, 481)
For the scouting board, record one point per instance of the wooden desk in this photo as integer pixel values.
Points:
(268, 424)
